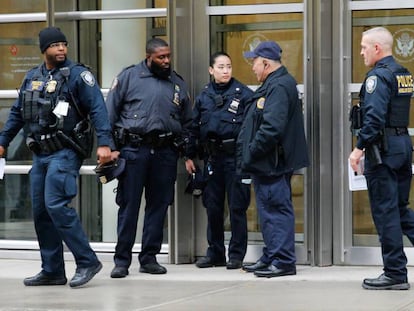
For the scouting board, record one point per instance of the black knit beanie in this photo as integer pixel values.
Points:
(50, 35)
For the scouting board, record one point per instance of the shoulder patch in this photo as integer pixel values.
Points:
(260, 103)
(371, 84)
(88, 78)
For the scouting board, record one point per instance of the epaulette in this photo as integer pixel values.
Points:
(178, 75)
(128, 67)
(82, 65)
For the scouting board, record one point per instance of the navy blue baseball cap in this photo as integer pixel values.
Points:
(266, 49)
(109, 171)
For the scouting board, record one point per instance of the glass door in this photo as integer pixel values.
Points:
(237, 27)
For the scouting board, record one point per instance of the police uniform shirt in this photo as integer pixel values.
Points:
(141, 102)
(380, 86)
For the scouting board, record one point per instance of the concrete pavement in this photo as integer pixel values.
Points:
(186, 287)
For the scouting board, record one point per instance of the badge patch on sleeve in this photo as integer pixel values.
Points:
(371, 84)
(260, 103)
(88, 78)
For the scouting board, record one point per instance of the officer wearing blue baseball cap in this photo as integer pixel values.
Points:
(270, 147)
(266, 49)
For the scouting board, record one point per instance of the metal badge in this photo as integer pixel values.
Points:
(37, 85)
(234, 105)
(176, 99)
(51, 86)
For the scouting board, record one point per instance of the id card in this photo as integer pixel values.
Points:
(61, 109)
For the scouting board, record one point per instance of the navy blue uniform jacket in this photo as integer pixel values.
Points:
(272, 139)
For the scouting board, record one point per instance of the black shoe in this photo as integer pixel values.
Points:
(207, 262)
(258, 265)
(119, 272)
(42, 279)
(273, 271)
(153, 268)
(84, 275)
(385, 282)
(234, 264)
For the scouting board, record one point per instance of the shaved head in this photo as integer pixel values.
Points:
(380, 36)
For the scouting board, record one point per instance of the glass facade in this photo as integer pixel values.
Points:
(110, 43)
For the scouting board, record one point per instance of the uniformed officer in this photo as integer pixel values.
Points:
(150, 112)
(383, 138)
(218, 114)
(54, 98)
(271, 146)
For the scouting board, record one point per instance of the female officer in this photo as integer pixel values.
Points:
(218, 115)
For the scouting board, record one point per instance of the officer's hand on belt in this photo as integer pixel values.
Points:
(2, 151)
(103, 154)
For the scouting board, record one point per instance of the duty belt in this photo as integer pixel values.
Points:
(396, 131)
(217, 146)
(156, 140)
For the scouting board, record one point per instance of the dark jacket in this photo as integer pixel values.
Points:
(85, 90)
(141, 103)
(219, 110)
(272, 139)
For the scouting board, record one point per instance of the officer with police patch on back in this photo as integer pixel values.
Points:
(382, 136)
(150, 112)
(54, 99)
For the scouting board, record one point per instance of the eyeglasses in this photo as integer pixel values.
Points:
(58, 44)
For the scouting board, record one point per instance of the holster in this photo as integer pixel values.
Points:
(355, 117)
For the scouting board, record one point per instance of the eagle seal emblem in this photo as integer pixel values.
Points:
(404, 45)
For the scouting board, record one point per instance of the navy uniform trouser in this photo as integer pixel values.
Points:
(277, 220)
(389, 189)
(156, 171)
(53, 186)
(224, 180)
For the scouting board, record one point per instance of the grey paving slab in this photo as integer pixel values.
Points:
(186, 287)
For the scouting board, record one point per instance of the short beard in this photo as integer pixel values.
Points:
(52, 61)
(162, 73)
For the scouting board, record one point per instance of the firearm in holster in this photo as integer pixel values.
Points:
(119, 135)
(180, 143)
(33, 145)
(373, 154)
(355, 117)
(72, 144)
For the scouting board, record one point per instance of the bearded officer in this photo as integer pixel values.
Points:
(150, 112)
(54, 97)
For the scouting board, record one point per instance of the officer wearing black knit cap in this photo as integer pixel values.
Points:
(271, 146)
(54, 99)
(50, 35)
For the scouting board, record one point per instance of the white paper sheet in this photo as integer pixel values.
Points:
(2, 166)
